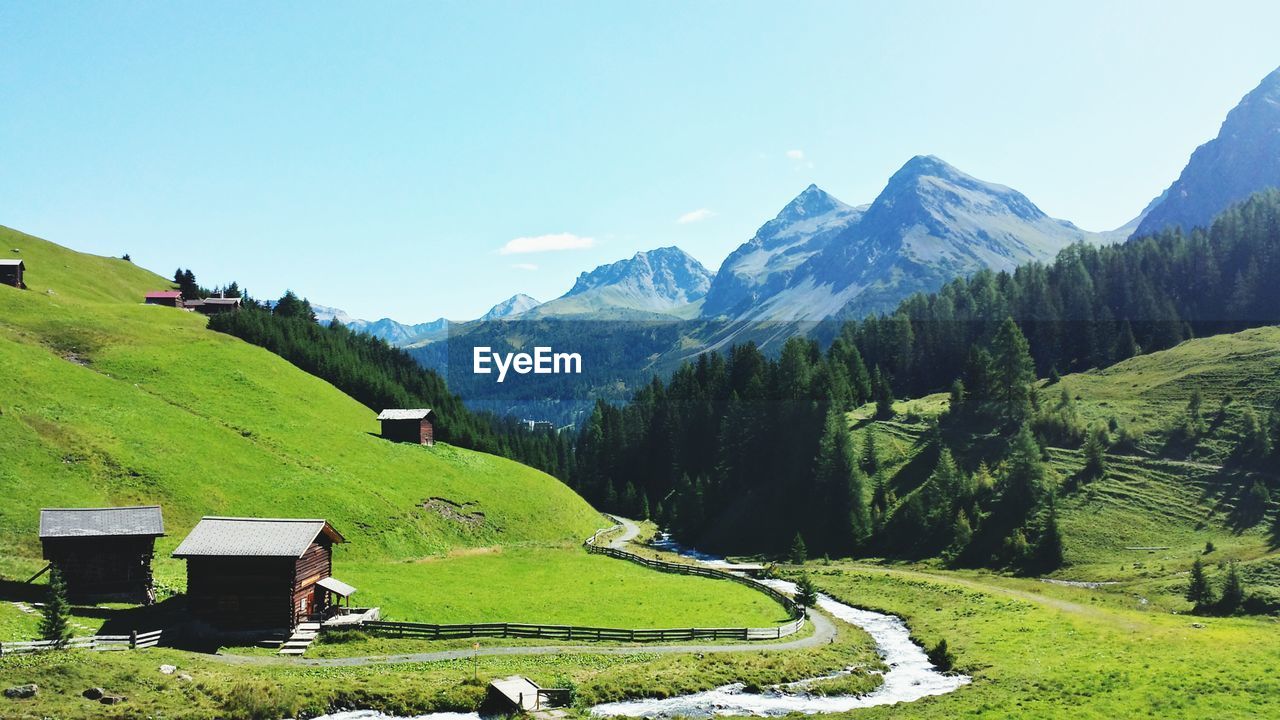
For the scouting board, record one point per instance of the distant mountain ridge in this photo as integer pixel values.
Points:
(652, 282)
(820, 258)
(1243, 159)
(511, 307)
(765, 264)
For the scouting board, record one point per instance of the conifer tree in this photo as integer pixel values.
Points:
(799, 552)
(1232, 590)
(1014, 371)
(1095, 455)
(1198, 591)
(55, 616)
(883, 394)
(806, 592)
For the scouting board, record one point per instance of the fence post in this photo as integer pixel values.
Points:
(133, 639)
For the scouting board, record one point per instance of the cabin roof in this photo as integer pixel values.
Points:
(254, 537)
(221, 301)
(404, 414)
(164, 294)
(10, 262)
(144, 521)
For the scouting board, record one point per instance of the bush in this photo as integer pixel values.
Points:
(941, 656)
(259, 701)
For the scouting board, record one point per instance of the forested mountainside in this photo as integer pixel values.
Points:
(743, 453)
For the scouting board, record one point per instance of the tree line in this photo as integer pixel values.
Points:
(742, 452)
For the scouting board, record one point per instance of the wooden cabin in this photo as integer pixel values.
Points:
(103, 553)
(11, 273)
(167, 298)
(215, 305)
(412, 426)
(260, 573)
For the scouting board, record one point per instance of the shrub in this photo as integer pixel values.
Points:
(941, 656)
(259, 701)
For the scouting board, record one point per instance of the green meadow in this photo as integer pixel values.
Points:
(106, 401)
(1036, 650)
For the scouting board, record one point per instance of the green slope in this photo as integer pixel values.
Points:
(1155, 496)
(106, 401)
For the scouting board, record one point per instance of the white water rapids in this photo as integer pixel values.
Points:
(909, 675)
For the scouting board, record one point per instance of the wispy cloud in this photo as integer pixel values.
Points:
(545, 243)
(795, 154)
(694, 216)
(524, 266)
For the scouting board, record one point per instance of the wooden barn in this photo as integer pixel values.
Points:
(215, 305)
(260, 573)
(168, 298)
(104, 553)
(11, 273)
(412, 426)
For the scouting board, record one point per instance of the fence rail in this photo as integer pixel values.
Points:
(134, 640)
(430, 631)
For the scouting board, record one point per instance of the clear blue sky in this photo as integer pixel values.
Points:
(378, 157)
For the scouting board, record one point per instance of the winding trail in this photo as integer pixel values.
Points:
(824, 632)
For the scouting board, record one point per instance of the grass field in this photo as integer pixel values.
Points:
(555, 586)
(240, 691)
(1040, 651)
(106, 401)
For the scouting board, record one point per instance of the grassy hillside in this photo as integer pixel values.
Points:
(1155, 495)
(106, 401)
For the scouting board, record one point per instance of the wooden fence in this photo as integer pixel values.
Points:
(689, 569)
(576, 632)
(134, 640)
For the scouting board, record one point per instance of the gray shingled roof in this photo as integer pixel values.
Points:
(253, 537)
(10, 263)
(101, 522)
(399, 414)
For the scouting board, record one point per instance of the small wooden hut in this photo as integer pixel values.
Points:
(260, 573)
(216, 305)
(167, 298)
(11, 273)
(409, 425)
(103, 553)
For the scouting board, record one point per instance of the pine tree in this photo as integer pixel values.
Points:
(1255, 441)
(1014, 371)
(799, 552)
(55, 616)
(1198, 591)
(806, 592)
(1232, 591)
(1095, 455)
(1048, 551)
(870, 455)
(957, 397)
(840, 488)
(883, 394)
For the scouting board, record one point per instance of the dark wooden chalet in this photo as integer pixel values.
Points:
(260, 573)
(11, 273)
(413, 426)
(168, 298)
(103, 553)
(215, 305)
